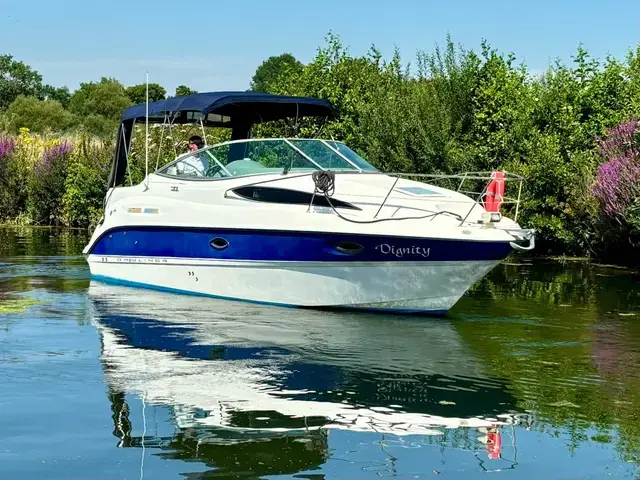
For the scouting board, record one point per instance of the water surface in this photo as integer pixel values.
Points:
(534, 374)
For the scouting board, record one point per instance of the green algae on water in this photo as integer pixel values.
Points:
(17, 305)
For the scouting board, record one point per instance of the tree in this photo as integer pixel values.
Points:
(272, 69)
(38, 115)
(347, 82)
(99, 126)
(60, 94)
(138, 93)
(16, 79)
(183, 91)
(106, 98)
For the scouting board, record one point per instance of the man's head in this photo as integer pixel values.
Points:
(195, 143)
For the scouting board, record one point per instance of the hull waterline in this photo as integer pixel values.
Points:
(408, 287)
(409, 275)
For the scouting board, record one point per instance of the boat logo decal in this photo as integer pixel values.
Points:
(399, 252)
(141, 210)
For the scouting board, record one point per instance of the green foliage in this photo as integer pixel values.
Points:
(17, 79)
(138, 93)
(348, 82)
(269, 72)
(107, 98)
(550, 178)
(418, 124)
(14, 179)
(183, 91)
(59, 94)
(53, 182)
(99, 126)
(38, 115)
(86, 183)
(99, 105)
(502, 105)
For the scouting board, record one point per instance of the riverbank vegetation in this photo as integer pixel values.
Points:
(571, 131)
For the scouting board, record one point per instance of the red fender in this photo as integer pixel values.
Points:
(494, 444)
(495, 193)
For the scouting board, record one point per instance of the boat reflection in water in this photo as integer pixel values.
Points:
(259, 389)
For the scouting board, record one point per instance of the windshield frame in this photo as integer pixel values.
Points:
(313, 165)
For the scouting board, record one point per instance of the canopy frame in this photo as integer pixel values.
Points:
(238, 111)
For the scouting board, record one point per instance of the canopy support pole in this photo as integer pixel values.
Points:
(175, 149)
(146, 138)
(128, 150)
(164, 124)
(204, 135)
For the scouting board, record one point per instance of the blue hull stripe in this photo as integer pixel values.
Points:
(127, 283)
(261, 245)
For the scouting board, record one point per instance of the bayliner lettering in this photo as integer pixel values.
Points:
(399, 252)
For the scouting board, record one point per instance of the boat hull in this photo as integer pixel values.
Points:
(406, 287)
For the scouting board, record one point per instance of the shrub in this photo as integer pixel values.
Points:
(107, 98)
(47, 184)
(10, 187)
(617, 191)
(40, 116)
(138, 93)
(86, 183)
(99, 126)
(616, 185)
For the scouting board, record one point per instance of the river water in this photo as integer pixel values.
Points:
(534, 374)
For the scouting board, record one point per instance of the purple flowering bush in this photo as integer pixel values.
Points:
(617, 188)
(616, 183)
(7, 146)
(47, 184)
(53, 181)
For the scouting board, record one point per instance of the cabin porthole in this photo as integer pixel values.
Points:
(219, 243)
(350, 248)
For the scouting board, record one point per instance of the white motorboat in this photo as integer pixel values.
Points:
(295, 222)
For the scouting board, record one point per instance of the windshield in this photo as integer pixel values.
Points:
(251, 157)
(352, 156)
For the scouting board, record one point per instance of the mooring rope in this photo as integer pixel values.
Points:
(325, 182)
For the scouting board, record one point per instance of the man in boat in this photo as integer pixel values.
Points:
(194, 164)
(195, 143)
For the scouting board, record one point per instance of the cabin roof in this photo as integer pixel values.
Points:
(229, 108)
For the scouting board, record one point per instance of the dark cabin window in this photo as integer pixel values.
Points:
(283, 195)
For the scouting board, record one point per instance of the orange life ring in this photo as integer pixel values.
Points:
(495, 193)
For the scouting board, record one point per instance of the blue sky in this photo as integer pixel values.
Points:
(217, 44)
